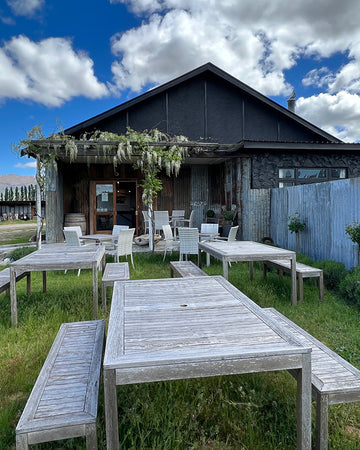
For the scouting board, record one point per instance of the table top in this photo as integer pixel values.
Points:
(244, 250)
(97, 237)
(57, 257)
(116, 272)
(172, 325)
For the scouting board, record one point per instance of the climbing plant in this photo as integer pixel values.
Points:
(148, 151)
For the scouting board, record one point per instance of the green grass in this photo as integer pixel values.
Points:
(254, 411)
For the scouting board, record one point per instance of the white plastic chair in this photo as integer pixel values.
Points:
(212, 229)
(189, 242)
(190, 221)
(146, 220)
(76, 228)
(177, 219)
(161, 218)
(231, 236)
(72, 239)
(115, 233)
(170, 242)
(209, 228)
(124, 246)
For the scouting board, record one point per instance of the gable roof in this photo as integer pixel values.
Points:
(209, 67)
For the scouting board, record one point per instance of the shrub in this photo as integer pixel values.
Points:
(295, 224)
(229, 216)
(21, 252)
(350, 286)
(210, 213)
(353, 231)
(334, 273)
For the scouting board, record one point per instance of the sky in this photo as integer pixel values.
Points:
(62, 62)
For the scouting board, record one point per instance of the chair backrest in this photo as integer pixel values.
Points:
(125, 242)
(72, 238)
(189, 240)
(168, 234)
(233, 233)
(77, 228)
(191, 219)
(209, 228)
(161, 218)
(145, 216)
(117, 228)
(178, 213)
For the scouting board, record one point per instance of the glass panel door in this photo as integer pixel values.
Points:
(104, 208)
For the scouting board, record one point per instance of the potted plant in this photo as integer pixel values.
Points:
(227, 223)
(353, 231)
(295, 225)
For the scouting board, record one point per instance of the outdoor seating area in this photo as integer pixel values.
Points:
(233, 336)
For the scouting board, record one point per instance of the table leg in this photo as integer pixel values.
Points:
(251, 270)
(199, 259)
(293, 280)
(44, 281)
(13, 299)
(304, 404)
(95, 290)
(28, 283)
(225, 269)
(111, 410)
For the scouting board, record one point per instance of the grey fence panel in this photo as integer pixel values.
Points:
(256, 216)
(326, 208)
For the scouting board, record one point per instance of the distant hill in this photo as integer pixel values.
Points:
(12, 180)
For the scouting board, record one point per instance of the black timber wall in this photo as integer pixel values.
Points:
(207, 107)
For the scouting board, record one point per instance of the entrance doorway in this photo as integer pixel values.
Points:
(115, 203)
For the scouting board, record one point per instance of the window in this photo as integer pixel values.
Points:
(293, 176)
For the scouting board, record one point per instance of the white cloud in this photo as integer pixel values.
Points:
(338, 114)
(28, 165)
(25, 7)
(48, 72)
(254, 41)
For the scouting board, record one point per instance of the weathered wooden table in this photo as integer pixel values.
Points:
(249, 251)
(179, 328)
(98, 238)
(113, 272)
(58, 257)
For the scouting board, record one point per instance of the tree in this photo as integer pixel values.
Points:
(353, 231)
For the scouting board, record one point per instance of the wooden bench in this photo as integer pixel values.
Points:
(302, 271)
(113, 272)
(64, 399)
(5, 280)
(185, 269)
(334, 380)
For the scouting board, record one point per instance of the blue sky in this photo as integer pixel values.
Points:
(64, 62)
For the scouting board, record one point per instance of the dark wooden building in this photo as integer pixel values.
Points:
(254, 143)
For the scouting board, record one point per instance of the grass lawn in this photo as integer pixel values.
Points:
(254, 411)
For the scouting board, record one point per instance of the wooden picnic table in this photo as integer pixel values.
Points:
(178, 328)
(58, 257)
(233, 251)
(98, 238)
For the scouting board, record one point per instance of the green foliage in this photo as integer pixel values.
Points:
(228, 216)
(334, 273)
(210, 213)
(350, 286)
(21, 252)
(353, 231)
(295, 225)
